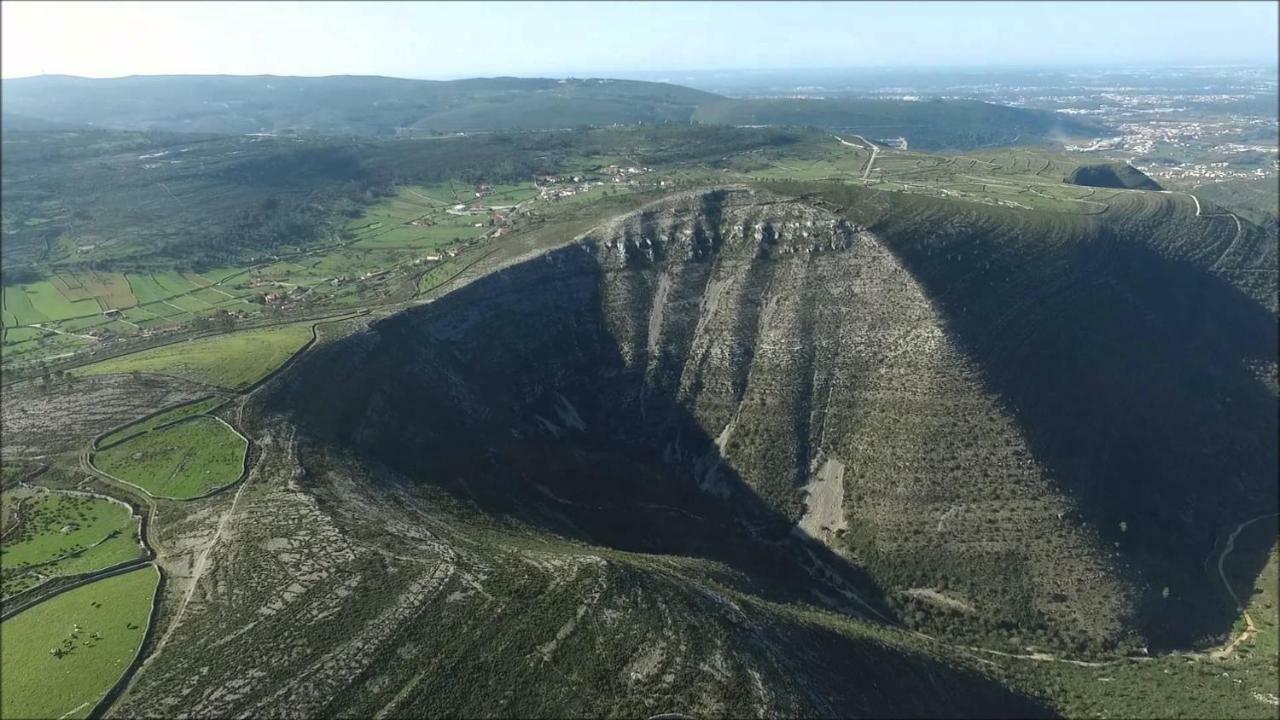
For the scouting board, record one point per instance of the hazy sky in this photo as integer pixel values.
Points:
(450, 40)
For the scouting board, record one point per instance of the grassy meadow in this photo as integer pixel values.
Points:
(182, 460)
(199, 407)
(96, 629)
(232, 361)
(60, 534)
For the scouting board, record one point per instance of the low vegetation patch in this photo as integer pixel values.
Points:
(1241, 685)
(181, 460)
(61, 656)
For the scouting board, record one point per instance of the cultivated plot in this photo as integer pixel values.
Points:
(199, 407)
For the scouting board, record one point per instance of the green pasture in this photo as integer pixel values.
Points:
(182, 460)
(232, 360)
(199, 407)
(62, 534)
(22, 334)
(96, 631)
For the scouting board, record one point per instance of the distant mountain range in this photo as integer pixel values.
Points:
(382, 106)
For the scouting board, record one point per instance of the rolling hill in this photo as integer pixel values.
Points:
(353, 105)
(1112, 175)
(985, 401)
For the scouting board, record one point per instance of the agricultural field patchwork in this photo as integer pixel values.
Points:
(232, 361)
(183, 460)
(53, 534)
(61, 656)
(427, 219)
(109, 290)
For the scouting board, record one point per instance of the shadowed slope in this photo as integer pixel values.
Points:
(571, 393)
(1144, 381)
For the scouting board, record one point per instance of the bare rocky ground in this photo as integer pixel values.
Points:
(331, 595)
(41, 420)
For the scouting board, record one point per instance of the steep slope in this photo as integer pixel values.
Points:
(1112, 175)
(705, 458)
(1136, 351)
(491, 506)
(1021, 415)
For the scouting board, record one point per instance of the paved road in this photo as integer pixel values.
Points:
(874, 151)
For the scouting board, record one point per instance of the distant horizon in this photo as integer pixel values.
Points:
(448, 41)
(622, 74)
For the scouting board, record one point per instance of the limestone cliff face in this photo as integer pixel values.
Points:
(926, 417)
(726, 367)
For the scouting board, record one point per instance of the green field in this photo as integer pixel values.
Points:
(18, 309)
(189, 303)
(173, 282)
(52, 304)
(198, 407)
(22, 334)
(182, 460)
(112, 616)
(234, 360)
(64, 535)
(47, 346)
(146, 288)
(162, 310)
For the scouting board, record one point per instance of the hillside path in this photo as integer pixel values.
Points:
(1249, 627)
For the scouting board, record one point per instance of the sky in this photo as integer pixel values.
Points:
(469, 39)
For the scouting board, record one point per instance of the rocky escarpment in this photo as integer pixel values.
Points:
(733, 375)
